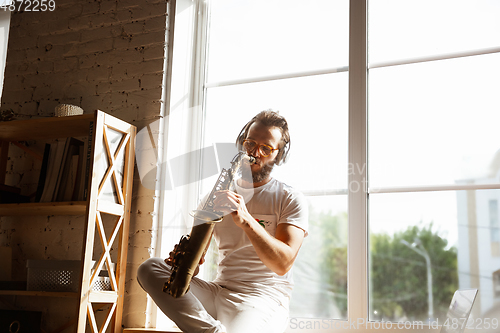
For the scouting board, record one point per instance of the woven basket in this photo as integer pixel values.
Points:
(63, 110)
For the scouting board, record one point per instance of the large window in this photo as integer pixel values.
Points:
(393, 111)
(275, 56)
(432, 157)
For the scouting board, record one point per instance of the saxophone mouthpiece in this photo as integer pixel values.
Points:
(251, 159)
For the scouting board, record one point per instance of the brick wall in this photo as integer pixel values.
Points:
(103, 54)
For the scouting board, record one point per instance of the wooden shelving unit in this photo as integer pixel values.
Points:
(38, 293)
(44, 208)
(112, 145)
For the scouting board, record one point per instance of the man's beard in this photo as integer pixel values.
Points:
(260, 175)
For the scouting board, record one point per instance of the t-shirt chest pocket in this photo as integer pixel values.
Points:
(268, 222)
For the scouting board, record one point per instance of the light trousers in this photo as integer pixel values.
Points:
(209, 307)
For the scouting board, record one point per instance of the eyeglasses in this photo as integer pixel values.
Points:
(264, 150)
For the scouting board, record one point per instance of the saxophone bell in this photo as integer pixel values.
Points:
(206, 216)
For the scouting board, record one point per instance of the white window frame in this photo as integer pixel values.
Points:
(193, 39)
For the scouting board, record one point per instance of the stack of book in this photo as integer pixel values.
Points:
(64, 176)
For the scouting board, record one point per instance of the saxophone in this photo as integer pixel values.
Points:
(192, 247)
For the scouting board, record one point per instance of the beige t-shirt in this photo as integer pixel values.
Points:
(240, 268)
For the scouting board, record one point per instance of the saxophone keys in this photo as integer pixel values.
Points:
(178, 257)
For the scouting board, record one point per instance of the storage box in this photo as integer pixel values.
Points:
(54, 275)
(102, 281)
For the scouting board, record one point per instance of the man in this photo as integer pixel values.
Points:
(258, 242)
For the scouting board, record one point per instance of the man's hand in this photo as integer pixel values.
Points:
(232, 203)
(170, 260)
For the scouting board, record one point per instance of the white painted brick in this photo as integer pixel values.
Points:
(98, 21)
(62, 3)
(28, 67)
(79, 23)
(15, 56)
(103, 88)
(72, 90)
(108, 7)
(66, 64)
(144, 112)
(98, 74)
(148, 81)
(132, 28)
(157, 23)
(119, 99)
(151, 66)
(86, 61)
(14, 80)
(125, 85)
(155, 51)
(13, 96)
(123, 15)
(92, 46)
(25, 42)
(55, 52)
(33, 80)
(67, 37)
(103, 32)
(93, 102)
(95, 7)
(127, 4)
(41, 92)
(146, 12)
(70, 10)
(47, 107)
(33, 53)
(128, 57)
(45, 66)
(146, 95)
(58, 24)
(30, 108)
(149, 38)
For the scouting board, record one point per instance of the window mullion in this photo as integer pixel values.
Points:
(357, 294)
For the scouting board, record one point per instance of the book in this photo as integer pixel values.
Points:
(53, 168)
(61, 169)
(43, 173)
(78, 190)
(88, 152)
(66, 180)
(71, 180)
